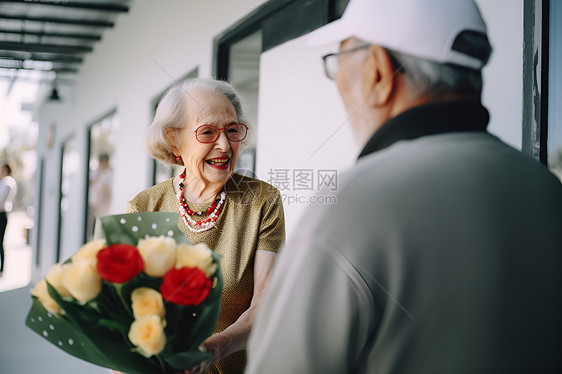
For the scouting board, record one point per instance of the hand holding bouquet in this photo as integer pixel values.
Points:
(139, 299)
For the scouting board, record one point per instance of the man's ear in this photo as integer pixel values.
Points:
(378, 73)
(171, 134)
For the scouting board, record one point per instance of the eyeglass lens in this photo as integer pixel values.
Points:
(331, 63)
(208, 133)
(331, 66)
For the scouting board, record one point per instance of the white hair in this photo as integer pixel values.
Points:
(436, 79)
(172, 113)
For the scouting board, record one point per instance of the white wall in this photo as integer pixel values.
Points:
(54, 120)
(302, 122)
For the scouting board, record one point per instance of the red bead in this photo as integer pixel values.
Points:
(189, 212)
(209, 210)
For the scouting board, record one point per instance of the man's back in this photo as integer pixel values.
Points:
(441, 256)
(457, 236)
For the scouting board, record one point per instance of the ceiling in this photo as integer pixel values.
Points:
(49, 39)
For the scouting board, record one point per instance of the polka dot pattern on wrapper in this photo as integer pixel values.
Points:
(128, 228)
(57, 330)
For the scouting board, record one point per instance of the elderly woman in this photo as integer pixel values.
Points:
(200, 125)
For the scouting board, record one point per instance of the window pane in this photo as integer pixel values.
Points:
(244, 75)
(102, 146)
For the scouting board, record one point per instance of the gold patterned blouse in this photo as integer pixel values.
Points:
(252, 218)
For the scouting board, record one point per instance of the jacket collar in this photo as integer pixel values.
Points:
(429, 119)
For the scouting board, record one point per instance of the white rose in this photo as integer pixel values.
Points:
(89, 251)
(158, 253)
(82, 280)
(41, 292)
(198, 255)
(147, 334)
(54, 277)
(147, 302)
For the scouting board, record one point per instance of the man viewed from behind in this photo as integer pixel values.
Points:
(443, 252)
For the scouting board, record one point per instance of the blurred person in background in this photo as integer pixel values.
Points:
(101, 183)
(443, 252)
(8, 191)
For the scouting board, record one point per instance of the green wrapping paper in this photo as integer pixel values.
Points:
(97, 331)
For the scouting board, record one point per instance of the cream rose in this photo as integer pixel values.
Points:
(147, 334)
(89, 251)
(198, 255)
(54, 277)
(42, 293)
(147, 302)
(82, 280)
(158, 253)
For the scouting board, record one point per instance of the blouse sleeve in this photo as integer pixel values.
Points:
(272, 225)
(131, 207)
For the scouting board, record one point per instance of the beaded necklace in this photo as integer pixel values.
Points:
(214, 210)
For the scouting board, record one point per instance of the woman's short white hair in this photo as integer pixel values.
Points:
(172, 113)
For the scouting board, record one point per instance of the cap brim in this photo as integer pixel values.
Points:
(334, 32)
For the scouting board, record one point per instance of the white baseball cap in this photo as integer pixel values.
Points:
(426, 29)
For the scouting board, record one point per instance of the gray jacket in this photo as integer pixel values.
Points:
(442, 255)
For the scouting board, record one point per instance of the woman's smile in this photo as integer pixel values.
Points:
(219, 162)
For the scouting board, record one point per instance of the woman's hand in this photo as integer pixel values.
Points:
(211, 348)
(235, 337)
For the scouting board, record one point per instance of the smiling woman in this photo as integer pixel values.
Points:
(200, 125)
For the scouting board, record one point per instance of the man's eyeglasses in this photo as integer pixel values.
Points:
(332, 66)
(331, 63)
(235, 132)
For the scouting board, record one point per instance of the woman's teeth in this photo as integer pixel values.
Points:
(218, 161)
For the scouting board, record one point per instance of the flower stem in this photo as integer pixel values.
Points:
(161, 362)
(118, 289)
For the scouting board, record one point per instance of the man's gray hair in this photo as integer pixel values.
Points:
(172, 113)
(437, 79)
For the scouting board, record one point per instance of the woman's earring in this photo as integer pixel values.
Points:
(178, 157)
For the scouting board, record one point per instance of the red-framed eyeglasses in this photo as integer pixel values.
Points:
(235, 132)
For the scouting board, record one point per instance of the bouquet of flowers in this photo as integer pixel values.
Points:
(138, 298)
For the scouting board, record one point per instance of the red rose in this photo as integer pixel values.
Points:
(119, 263)
(185, 286)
